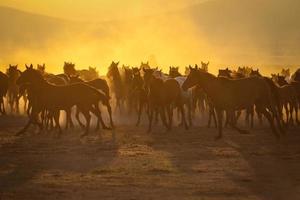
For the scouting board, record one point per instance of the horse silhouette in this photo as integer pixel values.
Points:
(55, 98)
(3, 90)
(116, 83)
(232, 95)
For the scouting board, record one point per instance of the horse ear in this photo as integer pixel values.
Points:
(155, 68)
(26, 66)
(196, 66)
(207, 63)
(31, 66)
(190, 67)
(147, 63)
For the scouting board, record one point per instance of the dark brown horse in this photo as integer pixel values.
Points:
(3, 91)
(138, 93)
(232, 95)
(99, 84)
(56, 98)
(162, 95)
(288, 98)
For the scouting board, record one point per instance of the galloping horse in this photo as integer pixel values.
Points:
(3, 91)
(232, 95)
(56, 98)
(99, 84)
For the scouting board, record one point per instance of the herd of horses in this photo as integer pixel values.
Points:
(135, 91)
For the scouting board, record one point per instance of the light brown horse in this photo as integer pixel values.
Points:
(56, 98)
(232, 95)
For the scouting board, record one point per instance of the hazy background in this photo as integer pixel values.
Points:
(259, 33)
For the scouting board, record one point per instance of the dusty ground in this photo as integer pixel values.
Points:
(128, 163)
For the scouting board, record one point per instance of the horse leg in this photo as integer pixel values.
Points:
(170, 115)
(78, 118)
(296, 113)
(140, 109)
(162, 114)
(286, 114)
(150, 117)
(291, 114)
(219, 123)
(183, 117)
(97, 112)
(32, 120)
(233, 122)
(110, 115)
(55, 115)
(87, 116)
(17, 104)
(156, 118)
(252, 117)
(270, 120)
(189, 106)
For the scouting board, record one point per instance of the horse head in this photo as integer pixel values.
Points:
(174, 72)
(30, 76)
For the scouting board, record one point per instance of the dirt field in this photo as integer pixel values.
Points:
(128, 164)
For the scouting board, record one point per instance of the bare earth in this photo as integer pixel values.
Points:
(128, 163)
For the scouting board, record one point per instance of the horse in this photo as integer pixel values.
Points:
(225, 73)
(56, 98)
(13, 89)
(117, 86)
(162, 95)
(127, 83)
(232, 95)
(288, 98)
(174, 72)
(99, 84)
(138, 93)
(204, 66)
(3, 90)
(88, 74)
(296, 75)
(69, 69)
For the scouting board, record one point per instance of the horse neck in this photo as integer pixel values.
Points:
(207, 81)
